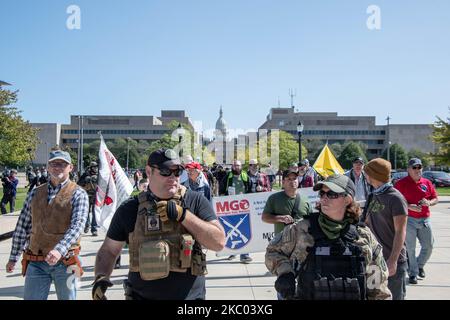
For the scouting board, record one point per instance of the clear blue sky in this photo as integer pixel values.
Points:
(137, 57)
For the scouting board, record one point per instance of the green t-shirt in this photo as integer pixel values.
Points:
(281, 204)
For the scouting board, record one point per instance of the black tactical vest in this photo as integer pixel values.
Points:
(333, 269)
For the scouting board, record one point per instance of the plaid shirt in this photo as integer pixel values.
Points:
(80, 207)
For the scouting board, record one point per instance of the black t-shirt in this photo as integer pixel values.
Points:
(177, 286)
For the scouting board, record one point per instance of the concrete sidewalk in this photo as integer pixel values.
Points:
(231, 280)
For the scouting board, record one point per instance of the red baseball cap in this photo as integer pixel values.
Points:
(193, 165)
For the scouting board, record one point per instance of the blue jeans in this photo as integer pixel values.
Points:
(92, 223)
(421, 229)
(39, 277)
(397, 283)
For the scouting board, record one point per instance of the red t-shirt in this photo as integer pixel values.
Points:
(414, 192)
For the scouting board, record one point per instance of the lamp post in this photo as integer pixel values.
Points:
(388, 140)
(180, 132)
(299, 131)
(31, 158)
(128, 151)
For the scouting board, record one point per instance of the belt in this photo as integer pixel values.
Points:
(28, 255)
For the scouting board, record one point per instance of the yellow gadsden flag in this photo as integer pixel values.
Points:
(326, 164)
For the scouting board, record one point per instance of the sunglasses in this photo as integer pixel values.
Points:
(166, 172)
(331, 194)
(58, 164)
(417, 167)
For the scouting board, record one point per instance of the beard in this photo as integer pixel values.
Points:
(58, 176)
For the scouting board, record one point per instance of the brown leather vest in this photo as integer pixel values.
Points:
(50, 221)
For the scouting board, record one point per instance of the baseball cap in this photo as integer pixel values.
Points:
(193, 165)
(358, 159)
(164, 158)
(253, 161)
(60, 155)
(288, 172)
(338, 183)
(303, 163)
(414, 161)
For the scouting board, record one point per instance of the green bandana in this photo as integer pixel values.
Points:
(332, 228)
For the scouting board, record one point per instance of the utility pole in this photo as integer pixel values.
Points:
(292, 95)
(388, 139)
(128, 151)
(81, 146)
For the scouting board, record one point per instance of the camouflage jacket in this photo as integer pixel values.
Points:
(291, 244)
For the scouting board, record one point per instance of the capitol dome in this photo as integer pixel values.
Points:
(221, 125)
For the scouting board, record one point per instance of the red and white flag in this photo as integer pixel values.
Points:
(113, 186)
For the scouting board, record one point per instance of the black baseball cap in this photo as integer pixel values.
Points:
(338, 183)
(288, 172)
(358, 159)
(303, 163)
(164, 158)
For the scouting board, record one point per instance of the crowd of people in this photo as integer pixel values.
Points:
(358, 241)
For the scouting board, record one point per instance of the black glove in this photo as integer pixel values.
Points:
(101, 284)
(285, 285)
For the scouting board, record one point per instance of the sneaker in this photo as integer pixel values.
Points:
(94, 233)
(413, 280)
(246, 259)
(421, 273)
(232, 257)
(86, 230)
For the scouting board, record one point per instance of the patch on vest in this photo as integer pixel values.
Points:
(237, 230)
(153, 223)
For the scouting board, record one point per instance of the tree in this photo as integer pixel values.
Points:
(350, 151)
(288, 151)
(314, 147)
(416, 153)
(166, 140)
(18, 139)
(441, 136)
(398, 156)
(337, 149)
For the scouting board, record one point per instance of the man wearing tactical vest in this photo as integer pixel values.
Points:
(329, 253)
(166, 228)
(49, 231)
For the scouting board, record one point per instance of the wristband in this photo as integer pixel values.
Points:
(183, 215)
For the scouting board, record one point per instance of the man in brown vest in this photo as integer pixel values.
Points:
(48, 231)
(166, 227)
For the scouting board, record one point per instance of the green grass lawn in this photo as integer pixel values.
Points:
(443, 191)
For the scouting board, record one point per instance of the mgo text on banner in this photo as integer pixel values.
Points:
(240, 215)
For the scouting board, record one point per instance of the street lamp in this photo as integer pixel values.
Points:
(388, 140)
(180, 132)
(299, 131)
(128, 151)
(31, 158)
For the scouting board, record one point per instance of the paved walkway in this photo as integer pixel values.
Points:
(231, 280)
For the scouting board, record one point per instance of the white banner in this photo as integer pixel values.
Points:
(240, 215)
(113, 187)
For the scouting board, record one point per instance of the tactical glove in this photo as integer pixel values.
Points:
(285, 285)
(101, 284)
(170, 210)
